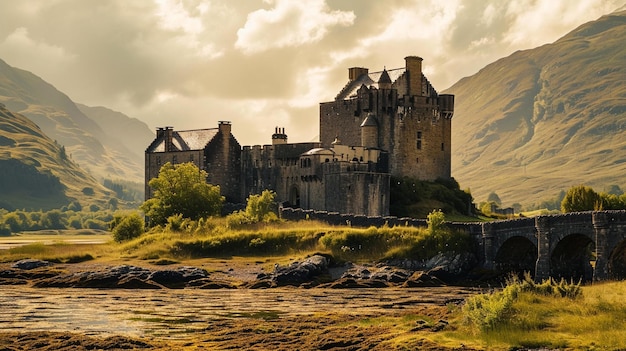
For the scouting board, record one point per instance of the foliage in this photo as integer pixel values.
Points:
(486, 311)
(125, 190)
(415, 198)
(182, 189)
(493, 197)
(127, 227)
(581, 198)
(436, 221)
(19, 221)
(259, 208)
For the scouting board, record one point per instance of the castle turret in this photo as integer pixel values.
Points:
(369, 132)
(279, 136)
(384, 82)
(414, 71)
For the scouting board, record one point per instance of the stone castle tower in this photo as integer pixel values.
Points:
(394, 110)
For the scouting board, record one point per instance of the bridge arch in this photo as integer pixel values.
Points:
(517, 254)
(573, 257)
(617, 261)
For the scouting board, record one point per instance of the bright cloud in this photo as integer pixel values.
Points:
(289, 23)
(262, 63)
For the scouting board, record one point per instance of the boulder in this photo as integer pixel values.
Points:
(300, 272)
(29, 264)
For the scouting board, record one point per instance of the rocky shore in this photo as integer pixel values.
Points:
(316, 271)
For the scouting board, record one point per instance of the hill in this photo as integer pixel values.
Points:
(87, 140)
(36, 172)
(540, 121)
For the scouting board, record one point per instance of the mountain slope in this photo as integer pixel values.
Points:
(60, 118)
(542, 120)
(125, 134)
(36, 172)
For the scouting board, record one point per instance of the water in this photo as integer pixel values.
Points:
(177, 314)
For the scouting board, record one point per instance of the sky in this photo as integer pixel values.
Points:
(262, 64)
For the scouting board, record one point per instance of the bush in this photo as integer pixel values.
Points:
(485, 311)
(128, 227)
(259, 208)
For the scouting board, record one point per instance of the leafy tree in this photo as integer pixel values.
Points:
(13, 221)
(493, 197)
(581, 198)
(261, 207)
(182, 189)
(127, 227)
(53, 219)
(614, 190)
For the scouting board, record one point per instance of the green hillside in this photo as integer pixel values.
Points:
(37, 172)
(542, 120)
(101, 154)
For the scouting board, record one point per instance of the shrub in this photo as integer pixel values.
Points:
(435, 221)
(485, 311)
(128, 227)
(259, 208)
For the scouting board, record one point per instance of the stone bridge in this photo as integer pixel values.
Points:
(584, 245)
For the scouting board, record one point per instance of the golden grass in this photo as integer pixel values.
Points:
(595, 321)
(58, 246)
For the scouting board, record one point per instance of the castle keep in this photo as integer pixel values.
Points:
(381, 124)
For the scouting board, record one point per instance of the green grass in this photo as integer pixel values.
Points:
(284, 238)
(595, 320)
(62, 247)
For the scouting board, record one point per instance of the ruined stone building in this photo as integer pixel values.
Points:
(381, 124)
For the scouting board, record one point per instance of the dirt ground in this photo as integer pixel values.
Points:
(323, 330)
(327, 332)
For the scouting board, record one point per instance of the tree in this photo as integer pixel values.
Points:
(493, 197)
(261, 207)
(581, 198)
(182, 189)
(127, 227)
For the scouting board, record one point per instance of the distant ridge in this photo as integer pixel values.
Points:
(36, 172)
(105, 144)
(542, 120)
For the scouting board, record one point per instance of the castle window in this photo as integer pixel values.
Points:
(191, 158)
(442, 147)
(419, 140)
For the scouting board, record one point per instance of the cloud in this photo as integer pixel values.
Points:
(289, 23)
(262, 63)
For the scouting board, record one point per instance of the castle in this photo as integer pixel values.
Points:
(381, 124)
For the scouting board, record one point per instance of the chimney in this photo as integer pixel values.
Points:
(355, 72)
(224, 127)
(279, 136)
(167, 134)
(414, 70)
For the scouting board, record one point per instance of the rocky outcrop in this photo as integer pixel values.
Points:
(295, 274)
(132, 277)
(314, 271)
(29, 264)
